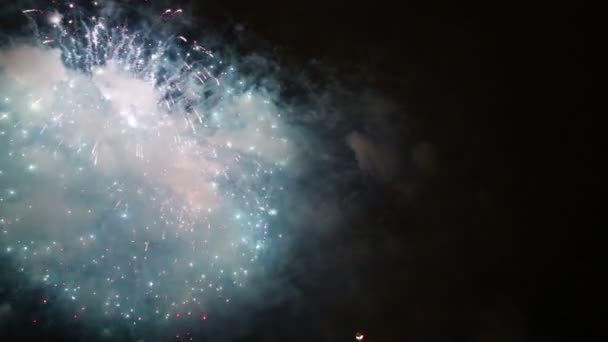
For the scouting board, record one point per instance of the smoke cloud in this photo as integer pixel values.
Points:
(145, 190)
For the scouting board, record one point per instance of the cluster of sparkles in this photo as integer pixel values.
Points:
(138, 172)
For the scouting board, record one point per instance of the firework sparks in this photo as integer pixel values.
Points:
(149, 190)
(32, 10)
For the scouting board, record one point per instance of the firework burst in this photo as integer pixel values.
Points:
(139, 172)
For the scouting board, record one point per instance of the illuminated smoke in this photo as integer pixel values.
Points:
(139, 172)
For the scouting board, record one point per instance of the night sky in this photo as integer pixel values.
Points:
(441, 188)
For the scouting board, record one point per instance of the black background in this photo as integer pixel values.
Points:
(502, 244)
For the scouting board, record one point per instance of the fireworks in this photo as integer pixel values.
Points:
(139, 172)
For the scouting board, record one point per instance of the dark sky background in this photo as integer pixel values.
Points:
(497, 243)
